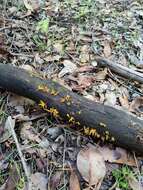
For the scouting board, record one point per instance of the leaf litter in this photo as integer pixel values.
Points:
(61, 41)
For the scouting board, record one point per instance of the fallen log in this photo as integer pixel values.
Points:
(117, 126)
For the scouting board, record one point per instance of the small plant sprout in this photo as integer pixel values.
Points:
(43, 25)
(121, 177)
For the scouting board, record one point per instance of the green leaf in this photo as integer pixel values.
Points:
(43, 25)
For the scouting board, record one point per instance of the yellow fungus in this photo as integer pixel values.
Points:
(106, 137)
(92, 132)
(102, 124)
(54, 92)
(112, 139)
(71, 119)
(97, 135)
(79, 112)
(43, 88)
(68, 115)
(67, 98)
(42, 104)
(86, 130)
(107, 132)
(53, 111)
(77, 122)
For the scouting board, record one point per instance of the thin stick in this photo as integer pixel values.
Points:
(121, 70)
(19, 152)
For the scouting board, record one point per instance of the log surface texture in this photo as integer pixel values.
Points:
(110, 123)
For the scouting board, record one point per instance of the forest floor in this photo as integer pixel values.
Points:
(60, 40)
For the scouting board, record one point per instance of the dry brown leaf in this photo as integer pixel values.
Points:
(107, 49)
(110, 98)
(136, 104)
(28, 68)
(32, 5)
(53, 58)
(16, 101)
(58, 47)
(29, 133)
(74, 182)
(69, 67)
(91, 166)
(134, 183)
(4, 53)
(6, 133)
(101, 75)
(39, 181)
(124, 101)
(83, 82)
(13, 179)
(55, 180)
(118, 155)
(86, 68)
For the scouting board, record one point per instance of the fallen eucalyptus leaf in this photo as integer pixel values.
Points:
(91, 166)
(69, 67)
(136, 104)
(39, 181)
(74, 182)
(118, 155)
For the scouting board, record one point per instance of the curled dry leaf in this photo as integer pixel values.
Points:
(136, 104)
(91, 166)
(124, 101)
(74, 182)
(119, 156)
(69, 67)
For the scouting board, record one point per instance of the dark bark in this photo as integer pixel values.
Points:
(126, 129)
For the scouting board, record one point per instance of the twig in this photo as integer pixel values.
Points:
(113, 186)
(121, 70)
(20, 153)
(22, 54)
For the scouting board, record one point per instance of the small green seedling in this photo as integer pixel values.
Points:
(43, 26)
(121, 176)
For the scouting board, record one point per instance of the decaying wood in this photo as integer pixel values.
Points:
(110, 123)
(121, 70)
